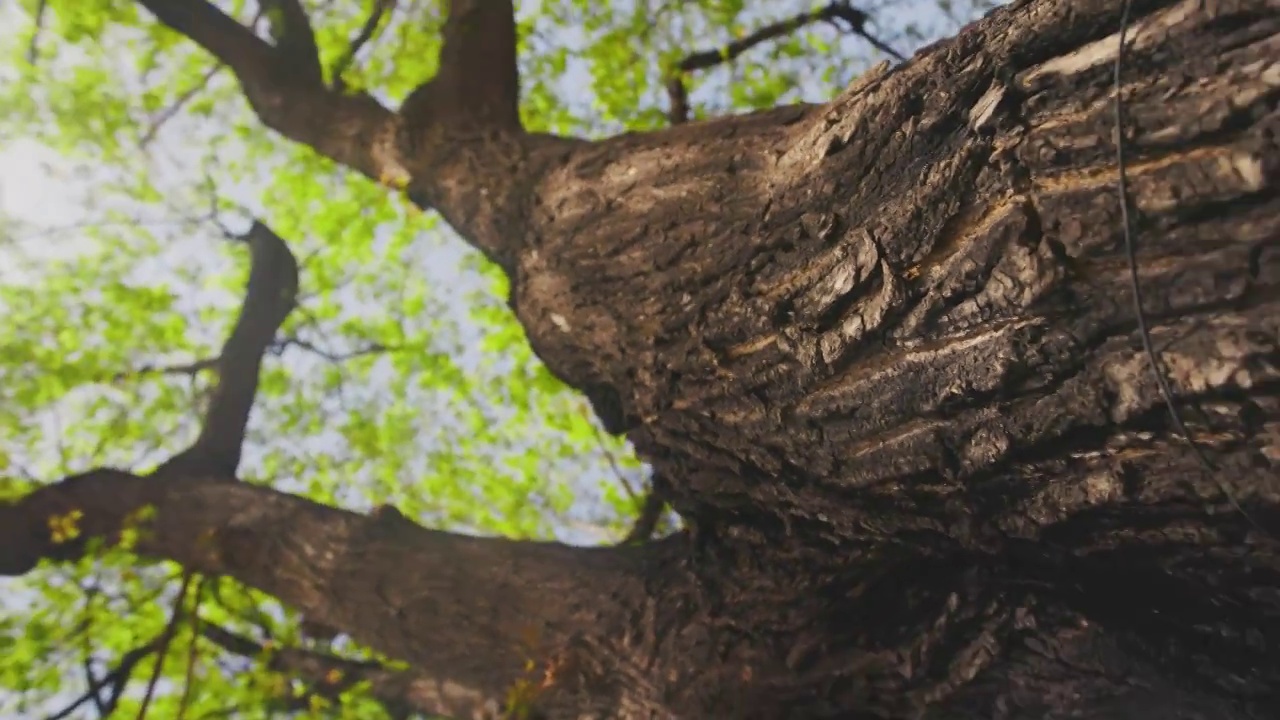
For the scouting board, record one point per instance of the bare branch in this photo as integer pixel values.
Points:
(91, 679)
(837, 10)
(166, 638)
(167, 113)
(33, 50)
(193, 652)
(275, 348)
(273, 286)
(381, 9)
(336, 357)
(647, 522)
(650, 509)
(191, 368)
(613, 464)
(95, 686)
(113, 681)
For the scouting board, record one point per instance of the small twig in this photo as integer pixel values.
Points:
(86, 630)
(613, 463)
(210, 185)
(191, 368)
(837, 10)
(115, 680)
(166, 638)
(100, 447)
(313, 667)
(381, 9)
(78, 227)
(192, 653)
(33, 50)
(95, 685)
(370, 349)
(1135, 284)
(196, 367)
(647, 523)
(650, 507)
(248, 611)
(167, 114)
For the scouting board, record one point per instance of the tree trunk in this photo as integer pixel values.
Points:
(885, 351)
(884, 354)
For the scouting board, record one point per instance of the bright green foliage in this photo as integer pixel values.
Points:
(405, 380)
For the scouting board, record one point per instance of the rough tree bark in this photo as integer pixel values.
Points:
(884, 354)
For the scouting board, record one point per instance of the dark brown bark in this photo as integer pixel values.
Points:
(469, 613)
(883, 353)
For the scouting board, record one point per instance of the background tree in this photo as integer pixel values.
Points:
(879, 353)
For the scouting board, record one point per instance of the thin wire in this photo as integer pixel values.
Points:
(1135, 283)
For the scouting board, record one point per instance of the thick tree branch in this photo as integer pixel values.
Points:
(461, 129)
(295, 40)
(477, 80)
(470, 615)
(270, 296)
(273, 286)
(229, 41)
(284, 87)
(429, 148)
